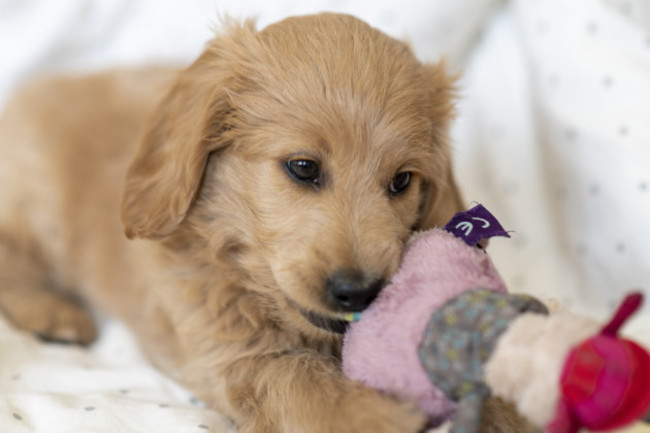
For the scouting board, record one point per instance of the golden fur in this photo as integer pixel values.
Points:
(231, 255)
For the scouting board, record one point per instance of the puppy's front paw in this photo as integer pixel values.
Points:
(356, 409)
(49, 315)
(366, 410)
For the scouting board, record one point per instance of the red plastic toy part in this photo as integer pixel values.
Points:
(604, 381)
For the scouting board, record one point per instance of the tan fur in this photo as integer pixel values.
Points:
(232, 251)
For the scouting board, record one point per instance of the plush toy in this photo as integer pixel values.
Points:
(446, 334)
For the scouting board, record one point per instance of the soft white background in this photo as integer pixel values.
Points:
(553, 136)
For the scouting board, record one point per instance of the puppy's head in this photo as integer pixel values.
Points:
(306, 152)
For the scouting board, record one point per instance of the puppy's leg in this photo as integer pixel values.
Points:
(305, 391)
(29, 300)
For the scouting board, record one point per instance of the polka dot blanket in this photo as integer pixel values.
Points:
(106, 389)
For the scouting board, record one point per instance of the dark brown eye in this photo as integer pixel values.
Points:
(304, 170)
(400, 183)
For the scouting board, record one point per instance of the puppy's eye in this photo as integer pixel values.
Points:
(304, 170)
(400, 183)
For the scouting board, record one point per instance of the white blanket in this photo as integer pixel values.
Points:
(553, 136)
(109, 388)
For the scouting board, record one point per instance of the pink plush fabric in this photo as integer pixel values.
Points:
(381, 349)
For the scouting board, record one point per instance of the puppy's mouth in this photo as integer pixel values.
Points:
(326, 323)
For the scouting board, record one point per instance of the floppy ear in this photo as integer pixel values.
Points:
(165, 174)
(441, 198)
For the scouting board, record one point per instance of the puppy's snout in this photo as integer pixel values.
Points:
(352, 291)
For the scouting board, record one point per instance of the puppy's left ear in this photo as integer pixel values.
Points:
(441, 197)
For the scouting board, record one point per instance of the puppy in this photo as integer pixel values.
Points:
(266, 190)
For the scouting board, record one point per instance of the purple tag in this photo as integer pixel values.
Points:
(474, 225)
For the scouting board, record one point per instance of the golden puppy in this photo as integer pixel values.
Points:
(272, 189)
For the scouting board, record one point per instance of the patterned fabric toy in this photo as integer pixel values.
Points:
(445, 334)
(459, 340)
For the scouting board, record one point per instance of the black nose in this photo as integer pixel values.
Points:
(352, 291)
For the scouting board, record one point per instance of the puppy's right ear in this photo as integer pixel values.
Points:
(441, 198)
(188, 124)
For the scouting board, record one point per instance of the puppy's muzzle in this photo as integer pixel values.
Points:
(353, 291)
